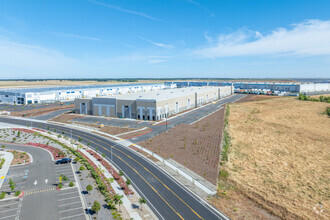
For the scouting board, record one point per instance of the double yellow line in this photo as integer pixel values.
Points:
(85, 135)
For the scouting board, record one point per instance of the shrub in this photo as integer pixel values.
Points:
(121, 173)
(328, 111)
(60, 185)
(17, 193)
(89, 188)
(223, 174)
(71, 184)
(2, 195)
(96, 206)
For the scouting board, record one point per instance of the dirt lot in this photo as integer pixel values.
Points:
(279, 158)
(195, 146)
(65, 118)
(40, 111)
(249, 98)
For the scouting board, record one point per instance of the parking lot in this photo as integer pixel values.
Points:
(41, 199)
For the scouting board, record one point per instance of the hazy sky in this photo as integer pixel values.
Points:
(168, 38)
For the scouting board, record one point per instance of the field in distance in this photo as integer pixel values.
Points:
(279, 159)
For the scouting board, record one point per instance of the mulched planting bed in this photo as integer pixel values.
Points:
(115, 175)
(20, 157)
(57, 153)
(195, 146)
(24, 130)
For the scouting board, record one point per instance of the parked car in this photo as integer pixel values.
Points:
(63, 160)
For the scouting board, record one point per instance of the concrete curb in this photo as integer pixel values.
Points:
(5, 167)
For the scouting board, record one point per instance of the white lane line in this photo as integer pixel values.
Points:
(67, 193)
(8, 216)
(70, 209)
(72, 216)
(69, 198)
(9, 210)
(69, 204)
(10, 204)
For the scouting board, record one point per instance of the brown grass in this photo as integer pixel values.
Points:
(196, 146)
(40, 111)
(280, 155)
(65, 118)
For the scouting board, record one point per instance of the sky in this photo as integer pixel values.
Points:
(164, 39)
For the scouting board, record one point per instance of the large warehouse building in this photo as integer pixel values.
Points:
(153, 105)
(53, 94)
(281, 87)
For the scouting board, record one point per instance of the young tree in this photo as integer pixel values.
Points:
(89, 188)
(119, 203)
(96, 206)
(128, 182)
(142, 201)
(121, 173)
(81, 168)
(12, 185)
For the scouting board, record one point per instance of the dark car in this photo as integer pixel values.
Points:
(63, 160)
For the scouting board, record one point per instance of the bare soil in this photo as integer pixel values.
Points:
(40, 111)
(65, 118)
(279, 158)
(251, 98)
(195, 146)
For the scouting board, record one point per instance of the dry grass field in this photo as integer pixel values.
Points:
(40, 111)
(279, 158)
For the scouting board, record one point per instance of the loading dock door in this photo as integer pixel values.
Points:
(126, 111)
(83, 108)
(141, 113)
(176, 107)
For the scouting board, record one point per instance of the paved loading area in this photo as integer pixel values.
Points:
(38, 181)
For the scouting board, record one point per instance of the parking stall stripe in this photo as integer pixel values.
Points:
(69, 198)
(69, 204)
(72, 216)
(71, 209)
(8, 216)
(10, 204)
(9, 210)
(67, 193)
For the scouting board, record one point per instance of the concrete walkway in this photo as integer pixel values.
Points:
(5, 167)
(128, 205)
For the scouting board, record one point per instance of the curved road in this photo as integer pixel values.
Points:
(166, 197)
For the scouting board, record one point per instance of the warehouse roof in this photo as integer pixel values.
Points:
(163, 94)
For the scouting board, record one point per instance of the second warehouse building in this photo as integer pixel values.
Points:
(151, 105)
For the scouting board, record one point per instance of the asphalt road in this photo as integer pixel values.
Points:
(41, 200)
(165, 196)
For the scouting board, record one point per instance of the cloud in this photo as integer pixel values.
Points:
(75, 36)
(142, 58)
(118, 8)
(207, 37)
(167, 46)
(201, 6)
(309, 38)
(22, 58)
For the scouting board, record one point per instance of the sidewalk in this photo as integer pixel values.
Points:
(5, 167)
(128, 205)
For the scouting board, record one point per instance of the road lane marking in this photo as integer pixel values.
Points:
(83, 134)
